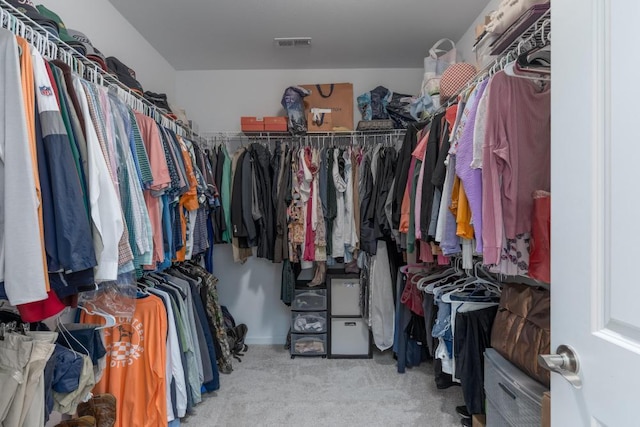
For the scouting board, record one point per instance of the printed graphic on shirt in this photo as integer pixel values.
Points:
(127, 343)
(46, 91)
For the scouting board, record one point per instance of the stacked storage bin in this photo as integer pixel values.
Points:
(309, 318)
(348, 330)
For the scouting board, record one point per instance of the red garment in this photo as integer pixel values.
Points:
(540, 256)
(411, 295)
(40, 310)
(310, 234)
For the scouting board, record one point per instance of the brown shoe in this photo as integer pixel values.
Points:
(102, 407)
(321, 272)
(86, 421)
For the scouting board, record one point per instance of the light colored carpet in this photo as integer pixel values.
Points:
(270, 389)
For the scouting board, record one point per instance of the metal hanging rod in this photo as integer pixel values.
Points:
(314, 139)
(51, 47)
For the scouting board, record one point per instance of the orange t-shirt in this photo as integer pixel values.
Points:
(136, 364)
(28, 88)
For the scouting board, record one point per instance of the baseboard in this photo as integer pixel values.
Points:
(280, 339)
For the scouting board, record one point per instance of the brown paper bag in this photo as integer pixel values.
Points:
(336, 96)
(320, 120)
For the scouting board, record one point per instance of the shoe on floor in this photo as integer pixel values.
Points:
(466, 422)
(86, 421)
(462, 411)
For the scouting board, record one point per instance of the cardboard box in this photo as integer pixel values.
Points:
(276, 124)
(546, 409)
(479, 420)
(252, 124)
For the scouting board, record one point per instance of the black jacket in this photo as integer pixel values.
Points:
(429, 165)
(261, 159)
(402, 170)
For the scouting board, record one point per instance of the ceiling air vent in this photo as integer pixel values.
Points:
(292, 41)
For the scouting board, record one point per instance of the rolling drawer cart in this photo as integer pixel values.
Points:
(309, 320)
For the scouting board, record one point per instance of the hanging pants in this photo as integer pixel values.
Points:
(22, 363)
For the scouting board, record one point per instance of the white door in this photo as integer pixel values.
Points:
(596, 209)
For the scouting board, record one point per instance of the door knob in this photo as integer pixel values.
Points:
(564, 362)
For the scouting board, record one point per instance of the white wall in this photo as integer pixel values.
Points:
(216, 100)
(113, 35)
(465, 44)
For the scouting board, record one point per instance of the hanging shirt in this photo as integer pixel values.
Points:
(104, 203)
(21, 258)
(136, 364)
(161, 180)
(517, 158)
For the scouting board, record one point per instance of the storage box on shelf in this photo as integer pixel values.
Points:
(349, 335)
(252, 124)
(275, 124)
(309, 325)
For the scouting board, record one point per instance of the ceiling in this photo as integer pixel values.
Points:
(238, 34)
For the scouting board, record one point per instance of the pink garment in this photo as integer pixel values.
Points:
(516, 159)
(310, 234)
(425, 252)
(443, 260)
(161, 180)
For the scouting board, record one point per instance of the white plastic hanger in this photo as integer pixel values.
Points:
(110, 319)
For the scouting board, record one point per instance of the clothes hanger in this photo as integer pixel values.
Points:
(66, 336)
(110, 319)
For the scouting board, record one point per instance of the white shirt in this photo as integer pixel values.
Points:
(21, 250)
(106, 211)
(175, 370)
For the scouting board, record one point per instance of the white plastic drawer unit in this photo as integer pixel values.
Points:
(345, 296)
(309, 322)
(349, 337)
(309, 300)
(514, 399)
(308, 345)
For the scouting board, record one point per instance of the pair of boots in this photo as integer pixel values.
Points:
(321, 273)
(99, 411)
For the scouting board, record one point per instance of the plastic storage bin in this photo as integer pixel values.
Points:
(309, 300)
(349, 337)
(516, 397)
(308, 345)
(345, 296)
(309, 322)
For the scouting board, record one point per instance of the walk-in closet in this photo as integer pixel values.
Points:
(250, 213)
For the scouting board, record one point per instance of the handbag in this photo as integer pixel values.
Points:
(434, 66)
(335, 96)
(439, 59)
(522, 328)
(454, 79)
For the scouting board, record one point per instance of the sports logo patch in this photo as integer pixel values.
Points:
(46, 91)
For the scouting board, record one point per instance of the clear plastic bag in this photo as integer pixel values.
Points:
(115, 298)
